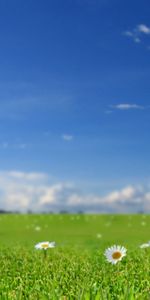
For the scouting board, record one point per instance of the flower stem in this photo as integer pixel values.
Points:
(45, 254)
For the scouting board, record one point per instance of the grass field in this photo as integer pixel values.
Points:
(76, 268)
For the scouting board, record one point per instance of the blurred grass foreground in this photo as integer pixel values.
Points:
(87, 231)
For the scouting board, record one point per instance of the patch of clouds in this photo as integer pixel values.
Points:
(21, 190)
(127, 106)
(122, 195)
(53, 194)
(137, 40)
(129, 199)
(137, 33)
(143, 29)
(133, 36)
(35, 191)
(30, 176)
(67, 137)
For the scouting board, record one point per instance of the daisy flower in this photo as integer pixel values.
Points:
(45, 245)
(115, 253)
(146, 245)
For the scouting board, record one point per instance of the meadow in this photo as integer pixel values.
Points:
(76, 268)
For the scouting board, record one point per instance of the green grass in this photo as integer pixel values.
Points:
(76, 268)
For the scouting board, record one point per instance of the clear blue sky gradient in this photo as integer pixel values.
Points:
(64, 66)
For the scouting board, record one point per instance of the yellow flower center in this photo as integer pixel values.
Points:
(116, 255)
(44, 246)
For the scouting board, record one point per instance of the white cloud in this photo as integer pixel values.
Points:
(143, 29)
(52, 194)
(18, 190)
(134, 35)
(129, 199)
(128, 33)
(138, 32)
(67, 137)
(30, 176)
(137, 40)
(122, 195)
(127, 106)
(35, 191)
(111, 198)
(31, 190)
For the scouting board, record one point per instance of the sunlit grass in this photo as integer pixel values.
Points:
(77, 267)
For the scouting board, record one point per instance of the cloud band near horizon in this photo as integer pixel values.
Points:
(23, 191)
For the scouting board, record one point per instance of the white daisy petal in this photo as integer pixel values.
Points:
(115, 253)
(45, 245)
(146, 245)
(52, 244)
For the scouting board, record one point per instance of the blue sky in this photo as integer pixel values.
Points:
(74, 102)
